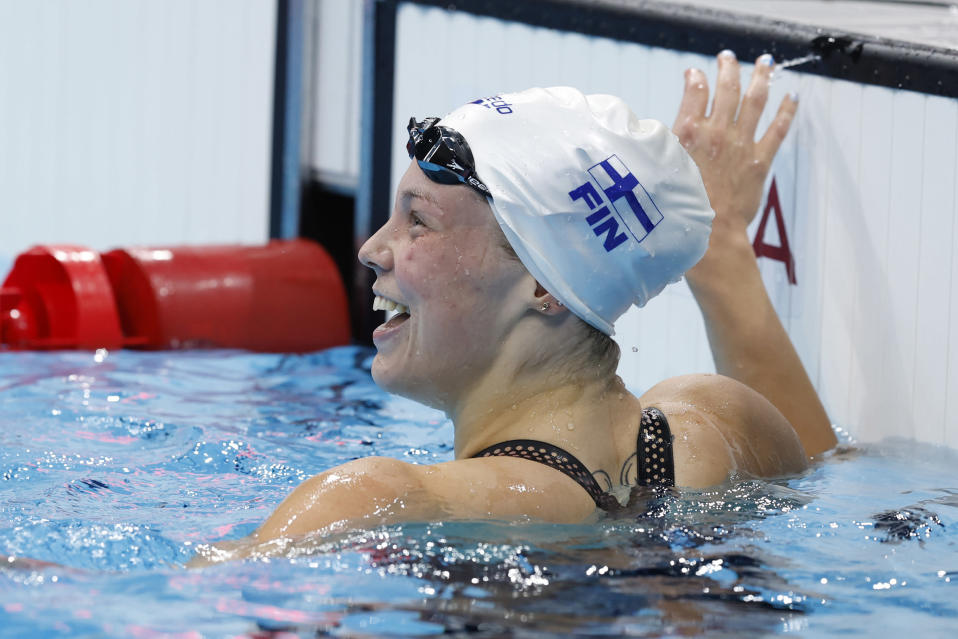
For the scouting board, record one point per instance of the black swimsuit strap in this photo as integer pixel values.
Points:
(554, 457)
(654, 449)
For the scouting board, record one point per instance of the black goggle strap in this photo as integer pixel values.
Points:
(438, 142)
(416, 132)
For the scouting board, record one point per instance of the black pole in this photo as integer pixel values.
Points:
(279, 119)
(286, 169)
(372, 206)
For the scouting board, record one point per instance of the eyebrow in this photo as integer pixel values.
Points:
(415, 192)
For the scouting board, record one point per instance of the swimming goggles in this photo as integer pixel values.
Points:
(443, 154)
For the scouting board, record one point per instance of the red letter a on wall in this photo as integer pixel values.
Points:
(781, 253)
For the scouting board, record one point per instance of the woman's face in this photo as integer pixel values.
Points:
(441, 256)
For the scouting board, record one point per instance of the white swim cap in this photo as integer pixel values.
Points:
(602, 208)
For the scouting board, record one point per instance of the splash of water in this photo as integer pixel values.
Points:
(794, 62)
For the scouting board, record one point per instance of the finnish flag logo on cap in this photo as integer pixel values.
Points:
(623, 201)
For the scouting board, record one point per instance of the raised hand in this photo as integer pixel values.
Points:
(747, 338)
(722, 143)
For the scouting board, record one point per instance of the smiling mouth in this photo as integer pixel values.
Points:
(381, 303)
(385, 304)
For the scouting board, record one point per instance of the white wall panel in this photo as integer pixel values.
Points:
(867, 187)
(809, 133)
(871, 406)
(898, 373)
(135, 122)
(839, 286)
(334, 151)
(951, 406)
(936, 197)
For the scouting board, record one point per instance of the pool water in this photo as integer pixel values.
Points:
(115, 466)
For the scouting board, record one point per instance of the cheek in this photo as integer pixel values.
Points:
(437, 267)
(457, 282)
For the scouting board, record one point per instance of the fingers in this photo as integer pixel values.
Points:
(696, 96)
(727, 88)
(767, 147)
(694, 102)
(726, 103)
(753, 103)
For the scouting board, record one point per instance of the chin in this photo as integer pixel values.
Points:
(400, 382)
(382, 375)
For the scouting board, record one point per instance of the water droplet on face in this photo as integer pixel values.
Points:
(570, 426)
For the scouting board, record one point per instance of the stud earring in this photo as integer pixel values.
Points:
(544, 307)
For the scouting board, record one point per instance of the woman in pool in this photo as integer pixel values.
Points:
(523, 227)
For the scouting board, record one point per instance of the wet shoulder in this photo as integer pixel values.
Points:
(506, 488)
(722, 427)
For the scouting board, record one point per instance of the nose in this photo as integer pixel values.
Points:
(375, 252)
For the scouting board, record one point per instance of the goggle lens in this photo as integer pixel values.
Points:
(440, 174)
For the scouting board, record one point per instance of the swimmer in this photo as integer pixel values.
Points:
(518, 237)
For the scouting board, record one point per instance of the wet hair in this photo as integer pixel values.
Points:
(603, 348)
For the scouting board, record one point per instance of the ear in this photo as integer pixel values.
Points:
(545, 302)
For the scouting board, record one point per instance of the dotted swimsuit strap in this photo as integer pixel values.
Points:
(654, 450)
(554, 457)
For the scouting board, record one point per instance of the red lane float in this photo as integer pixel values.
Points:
(286, 296)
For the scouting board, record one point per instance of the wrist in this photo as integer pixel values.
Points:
(727, 225)
(728, 253)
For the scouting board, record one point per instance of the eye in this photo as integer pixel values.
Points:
(415, 220)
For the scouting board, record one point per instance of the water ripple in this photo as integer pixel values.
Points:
(117, 466)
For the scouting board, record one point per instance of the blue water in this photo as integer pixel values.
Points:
(115, 466)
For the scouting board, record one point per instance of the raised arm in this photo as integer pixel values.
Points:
(746, 336)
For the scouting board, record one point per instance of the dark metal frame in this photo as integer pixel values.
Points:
(373, 196)
(858, 58)
(288, 107)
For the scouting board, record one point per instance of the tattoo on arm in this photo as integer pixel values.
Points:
(604, 480)
(628, 475)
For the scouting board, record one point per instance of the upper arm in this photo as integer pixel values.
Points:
(363, 492)
(373, 491)
(722, 426)
(379, 490)
(506, 488)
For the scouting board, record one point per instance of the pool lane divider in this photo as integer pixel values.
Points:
(285, 296)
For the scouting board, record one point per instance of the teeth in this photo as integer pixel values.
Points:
(384, 304)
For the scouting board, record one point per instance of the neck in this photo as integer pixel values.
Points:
(538, 402)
